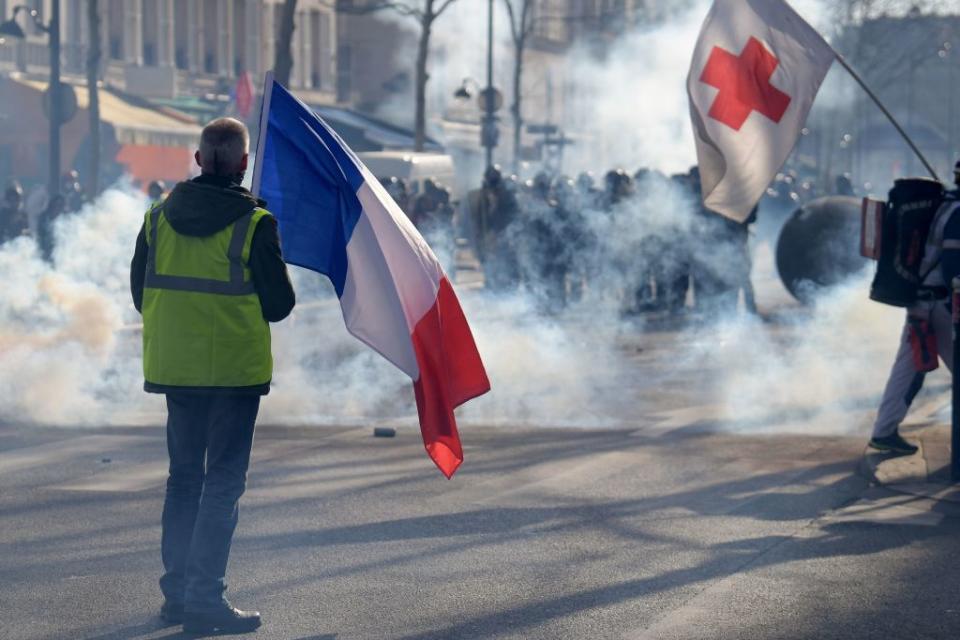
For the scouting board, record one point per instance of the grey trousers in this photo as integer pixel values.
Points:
(905, 381)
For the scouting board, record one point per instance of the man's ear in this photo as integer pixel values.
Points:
(196, 156)
(244, 161)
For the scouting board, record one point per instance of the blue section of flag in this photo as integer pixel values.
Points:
(309, 179)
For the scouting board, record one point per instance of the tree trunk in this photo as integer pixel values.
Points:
(93, 76)
(284, 52)
(517, 99)
(423, 50)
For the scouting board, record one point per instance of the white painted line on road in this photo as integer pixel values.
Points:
(63, 450)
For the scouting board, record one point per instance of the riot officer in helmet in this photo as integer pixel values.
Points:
(493, 208)
(619, 187)
(156, 190)
(13, 219)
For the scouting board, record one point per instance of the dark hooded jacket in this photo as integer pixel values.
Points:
(205, 205)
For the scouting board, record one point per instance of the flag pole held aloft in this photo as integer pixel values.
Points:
(756, 70)
(876, 100)
(335, 218)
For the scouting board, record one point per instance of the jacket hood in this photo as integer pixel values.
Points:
(206, 205)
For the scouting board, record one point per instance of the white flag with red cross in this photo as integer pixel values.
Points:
(755, 73)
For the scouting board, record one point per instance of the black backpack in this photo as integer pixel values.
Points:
(906, 223)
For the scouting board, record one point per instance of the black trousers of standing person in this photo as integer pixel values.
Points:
(209, 438)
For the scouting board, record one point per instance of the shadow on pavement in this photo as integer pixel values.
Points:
(839, 540)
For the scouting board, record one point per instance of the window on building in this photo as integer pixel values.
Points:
(149, 26)
(316, 69)
(239, 37)
(277, 26)
(266, 37)
(301, 50)
(211, 29)
(74, 41)
(344, 73)
(115, 29)
(181, 34)
(548, 20)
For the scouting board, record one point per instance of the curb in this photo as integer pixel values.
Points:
(888, 469)
(912, 475)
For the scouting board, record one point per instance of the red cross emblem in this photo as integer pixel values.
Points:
(744, 84)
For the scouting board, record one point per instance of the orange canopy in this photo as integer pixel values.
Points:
(147, 163)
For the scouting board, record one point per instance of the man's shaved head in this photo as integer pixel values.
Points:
(224, 145)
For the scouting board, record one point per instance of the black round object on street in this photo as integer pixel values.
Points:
(819, 246)
(384, 432)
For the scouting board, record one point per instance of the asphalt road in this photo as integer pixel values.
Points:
(664, 524)
(669, 531)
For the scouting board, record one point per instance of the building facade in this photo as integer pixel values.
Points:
(171, 49)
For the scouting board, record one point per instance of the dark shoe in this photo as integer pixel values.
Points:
(893, 443)
(229, 619)
(171, 612)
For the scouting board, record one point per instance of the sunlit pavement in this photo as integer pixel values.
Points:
(665, 530)
(657, 513)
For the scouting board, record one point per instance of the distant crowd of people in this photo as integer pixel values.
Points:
(17, 220)
(645, 239)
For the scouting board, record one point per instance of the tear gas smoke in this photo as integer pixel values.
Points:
(70, 354)
(819, 373)
(60, 325)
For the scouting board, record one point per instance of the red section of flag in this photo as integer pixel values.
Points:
(244, 94)
(744, 84)
(451, 373)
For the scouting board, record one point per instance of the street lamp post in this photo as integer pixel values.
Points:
(490, 98)
(489, 120)
(52, 29)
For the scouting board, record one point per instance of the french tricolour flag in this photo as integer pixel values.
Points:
(337, 219)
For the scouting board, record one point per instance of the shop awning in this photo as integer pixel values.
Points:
(134, 124)
(363, 133)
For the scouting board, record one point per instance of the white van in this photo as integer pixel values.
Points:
(413, 168)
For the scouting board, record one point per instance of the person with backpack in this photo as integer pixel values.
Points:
(928, 332)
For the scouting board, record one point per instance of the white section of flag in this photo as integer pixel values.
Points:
(736, 167)
(392, 278)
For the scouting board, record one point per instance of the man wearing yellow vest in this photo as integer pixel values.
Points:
(208, 276)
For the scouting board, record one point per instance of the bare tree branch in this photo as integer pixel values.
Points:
(443, 7)
(402, 8)
(513, 20)
(425, 15)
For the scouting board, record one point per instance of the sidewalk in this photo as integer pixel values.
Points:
(925, 475)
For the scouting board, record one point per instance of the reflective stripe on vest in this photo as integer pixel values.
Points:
(236, 286)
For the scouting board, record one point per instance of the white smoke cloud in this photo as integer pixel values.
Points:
(820, 371)
(61, 325)
(69, 346)
(70, 353)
